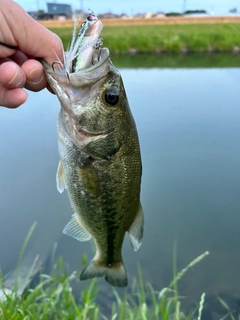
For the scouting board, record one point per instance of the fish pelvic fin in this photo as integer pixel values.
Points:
(60, 178)
(115, 274)
(76, 230)
(136, 230)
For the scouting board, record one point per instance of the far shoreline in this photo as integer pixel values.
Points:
(148, 21)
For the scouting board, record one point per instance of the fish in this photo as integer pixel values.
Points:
(100, 160)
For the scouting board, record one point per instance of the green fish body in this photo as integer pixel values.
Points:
(100, 163)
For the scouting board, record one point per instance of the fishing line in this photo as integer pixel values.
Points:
(8, 46)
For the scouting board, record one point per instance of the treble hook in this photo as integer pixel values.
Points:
(60, 63)
(56, 62)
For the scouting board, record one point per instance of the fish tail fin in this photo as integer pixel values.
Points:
(93, 270)
(115, 274)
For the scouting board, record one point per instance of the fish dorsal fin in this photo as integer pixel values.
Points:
(76, 230)
(136, 230)
(60, 178)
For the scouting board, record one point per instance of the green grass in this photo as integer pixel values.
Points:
(166, 38)
(52, 299)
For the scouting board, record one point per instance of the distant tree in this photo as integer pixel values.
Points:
(195, 12)
(233, 10)
(173, 14)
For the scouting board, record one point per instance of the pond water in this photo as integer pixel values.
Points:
(188, 124)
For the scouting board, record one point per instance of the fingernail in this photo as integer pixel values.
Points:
(35, 76)
(17, 79)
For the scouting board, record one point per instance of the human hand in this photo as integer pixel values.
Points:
(18, 67)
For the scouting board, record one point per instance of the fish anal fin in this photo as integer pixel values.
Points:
(60, 178)
(136, 230)
(76, 230)
(89, 179)
(115, 274)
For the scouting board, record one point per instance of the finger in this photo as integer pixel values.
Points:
(35, 79)
(11, 75)
(12, 98)
(19, 57)
(29, 35)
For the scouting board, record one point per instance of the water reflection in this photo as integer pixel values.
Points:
(188, 124)
(217, 60)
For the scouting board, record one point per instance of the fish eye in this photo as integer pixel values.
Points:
(112, 96)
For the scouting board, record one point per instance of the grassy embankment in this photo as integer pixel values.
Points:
(52, 299)
(179, 38)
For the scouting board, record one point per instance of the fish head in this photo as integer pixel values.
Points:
(93, 99)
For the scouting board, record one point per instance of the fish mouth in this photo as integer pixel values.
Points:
(84, 55)
(97, 57)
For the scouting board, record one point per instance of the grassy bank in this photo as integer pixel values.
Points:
(196, 60)
(52, 299)
(183, 38)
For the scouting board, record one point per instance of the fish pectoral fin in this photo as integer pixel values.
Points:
(76, 230)
(115, 274)
(60, 178)
(89, 179)
(136, 230)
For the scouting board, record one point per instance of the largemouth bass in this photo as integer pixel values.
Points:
(100, 162)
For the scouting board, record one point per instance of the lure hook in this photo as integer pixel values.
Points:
(56, 62)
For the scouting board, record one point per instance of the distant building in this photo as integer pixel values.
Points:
(159, 15)
(148, 15)
(139, 15)
(108, 15)
(55, 11)
(58, 10)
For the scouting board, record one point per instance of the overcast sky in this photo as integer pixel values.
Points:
(138, 6)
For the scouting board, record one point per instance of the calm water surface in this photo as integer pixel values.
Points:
(189, 128)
